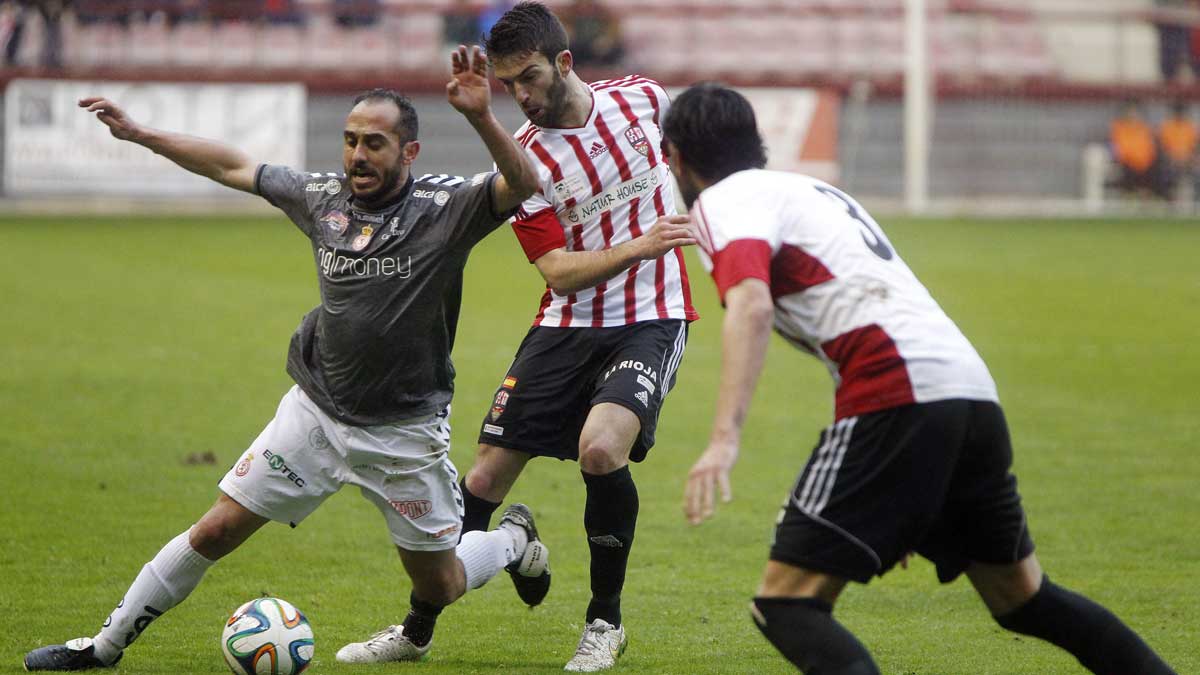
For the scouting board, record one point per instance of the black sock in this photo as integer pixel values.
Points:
(805, 632)
(609, 517)
(1088, 631)
(477, 511)
(422, 617)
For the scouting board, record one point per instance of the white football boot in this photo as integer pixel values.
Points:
(387, 645)
(602, 643)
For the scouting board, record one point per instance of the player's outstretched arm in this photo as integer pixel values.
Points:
(745, 334)
(471, 94)
(572, 271)
(211, 159)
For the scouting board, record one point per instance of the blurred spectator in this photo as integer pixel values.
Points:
(356, 13)
(88, 12)
(51, 13)
(490, 15)
(235, 10)
(595, 34)
(186, 11)
(1134, 149)
(461, 24)
(1194, 41)
(280, 12)
(1174, 40)
(1177, 136)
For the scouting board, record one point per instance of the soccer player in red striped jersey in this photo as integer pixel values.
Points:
(590, 378)
(918, 456)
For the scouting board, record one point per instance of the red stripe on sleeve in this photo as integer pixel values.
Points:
(539, 234)
(741, 259)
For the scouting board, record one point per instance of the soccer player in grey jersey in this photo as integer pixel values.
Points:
(371, 364)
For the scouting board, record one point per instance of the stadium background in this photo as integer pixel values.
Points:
(146, 317)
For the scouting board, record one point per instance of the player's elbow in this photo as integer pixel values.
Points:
(759, 313)
(750, 305)
(526, 184)
(562, 287)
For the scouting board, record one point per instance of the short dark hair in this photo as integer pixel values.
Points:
(526, 28)
(406, 125)
(715, 130)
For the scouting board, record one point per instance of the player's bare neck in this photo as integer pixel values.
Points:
(579, 106)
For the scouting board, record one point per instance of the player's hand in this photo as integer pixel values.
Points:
(469, 90)
(708, 474)
(667, 233)
(120, 124)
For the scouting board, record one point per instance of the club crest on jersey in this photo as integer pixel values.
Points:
(637, 138)
(498, 405)
(361, 241)
(413, 508)
(336, 221)
(243, 466)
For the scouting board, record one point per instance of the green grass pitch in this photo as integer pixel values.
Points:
(129, 344)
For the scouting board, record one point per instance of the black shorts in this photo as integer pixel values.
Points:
(558, 374)
(929, 477)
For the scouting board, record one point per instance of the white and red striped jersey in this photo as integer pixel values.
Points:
(841, 291)
(603, 184)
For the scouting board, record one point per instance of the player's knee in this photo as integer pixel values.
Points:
(599, 456)
(480, 482)
(213, 538)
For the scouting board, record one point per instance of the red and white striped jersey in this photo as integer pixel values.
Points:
(603, 184)
(841, 291)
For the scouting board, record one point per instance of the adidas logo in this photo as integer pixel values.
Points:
(644, 398)
(607, 540)
(597, 150)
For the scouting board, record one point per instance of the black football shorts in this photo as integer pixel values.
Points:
(932, 478)
(558, 374)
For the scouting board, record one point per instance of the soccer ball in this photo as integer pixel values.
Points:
(267, 636)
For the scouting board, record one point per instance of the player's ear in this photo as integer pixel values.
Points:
(565, 61)
(408, 153)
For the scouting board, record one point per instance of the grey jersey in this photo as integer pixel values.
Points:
(377, 349)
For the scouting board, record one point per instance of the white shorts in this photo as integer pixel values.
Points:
(303, 456)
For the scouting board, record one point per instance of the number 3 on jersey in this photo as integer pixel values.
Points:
(870, 231)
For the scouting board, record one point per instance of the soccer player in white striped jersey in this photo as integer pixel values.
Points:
(918, 455)
(591, 376)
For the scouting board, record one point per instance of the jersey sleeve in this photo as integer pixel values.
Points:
(285, 189)
(470, 212)
(739, 239)
(537, 227)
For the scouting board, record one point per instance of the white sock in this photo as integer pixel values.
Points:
(163, 583)
(519, 536)
(484, 554)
